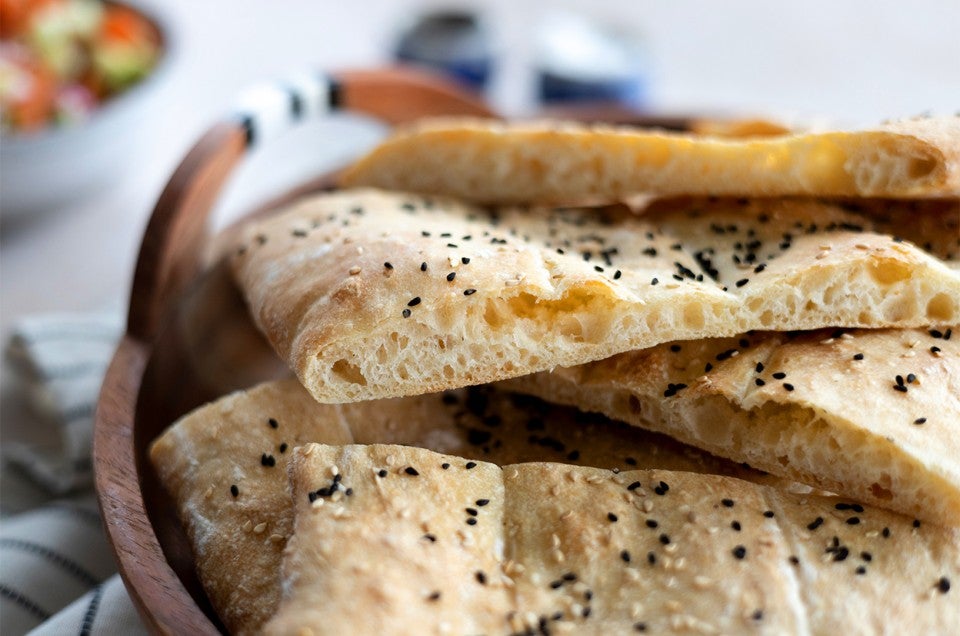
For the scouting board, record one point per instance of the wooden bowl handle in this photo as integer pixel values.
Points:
(172, 245)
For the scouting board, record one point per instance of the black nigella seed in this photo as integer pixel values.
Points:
(445, 465)
(886, 533)
(388, 265)
(406, 313)
(634, 485)
(794, 560)
(768, 514)
(410, 470)
(920, 420)
(555, 585)
(273, 423)
(472, 521)
(469, 292)
(268, 460)
(640, 627)
(727, 502)
(432, 538)
(434, 596)
(852, 521)
(675, 348)
(900, 387)
(423, 266)
(759, 382)
(911, 378)
(654, 281)
(759, 367)
(758, 615)
(665, 539)
(569, 576)
(625, 556)
(816, 523)
(481, 577)
(936, 333)
(414, 302)
(612, 517)
(617, 274)
(234, 490)
(382, 472)
(858, 356)
(283, 448)
(779, 375)
(916, 523)
(451, 276)
(742, 282)
(943, 585)
(740, 552)
(482, 502)
(652, 523)
(472, 512)
(735, 525)
(465, 260)
(841, 554)
(866, 556)
(651, 558)
(788, 386)
(469, 465)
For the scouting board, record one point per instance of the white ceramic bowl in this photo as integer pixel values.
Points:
(51, 168)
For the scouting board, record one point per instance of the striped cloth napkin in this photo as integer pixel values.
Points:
(58, 574)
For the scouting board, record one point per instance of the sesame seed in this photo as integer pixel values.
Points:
(234, 490)
(740, 552)
(410, 470)
(612, 517)
(943, 585)
(273, 423)
(353, 271)
(451, 276)
(469, 292)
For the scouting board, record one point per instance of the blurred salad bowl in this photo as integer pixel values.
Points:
(76, 80)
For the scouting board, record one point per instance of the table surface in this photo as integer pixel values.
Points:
(853, 62)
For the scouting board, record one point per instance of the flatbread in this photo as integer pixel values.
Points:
(369, 294)
(870, 414)
(495, 162)
(400, 540)
(243, 442)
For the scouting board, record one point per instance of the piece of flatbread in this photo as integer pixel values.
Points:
(869, 414)
(400, 540)
(370, 294)
(225, 466)
(496, 162)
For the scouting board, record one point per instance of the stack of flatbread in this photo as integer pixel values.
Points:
(564, 379)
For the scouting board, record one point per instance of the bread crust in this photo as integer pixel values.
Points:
(564, 162)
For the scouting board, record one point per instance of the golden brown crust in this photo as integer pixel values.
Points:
(371, 294)
(870, 414)
(557, 547)
(233, 443)
(562, 162)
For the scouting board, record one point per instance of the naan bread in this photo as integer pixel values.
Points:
(495, 162)
(870, 414)
(225, 466)
(401, 540)
(369, 294)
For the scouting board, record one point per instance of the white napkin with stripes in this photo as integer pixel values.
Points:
(58, 573)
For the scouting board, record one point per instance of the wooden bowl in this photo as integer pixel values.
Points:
(188, 337)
